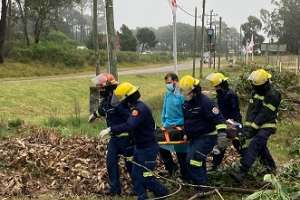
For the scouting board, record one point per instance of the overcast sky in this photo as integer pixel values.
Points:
(155, 13)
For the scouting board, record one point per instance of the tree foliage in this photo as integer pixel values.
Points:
(252, 27)
(128, 41)
(146, 38)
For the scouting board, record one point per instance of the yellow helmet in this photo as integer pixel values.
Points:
(216, 78)
(124, 90)
(188, 83)
(259, 77)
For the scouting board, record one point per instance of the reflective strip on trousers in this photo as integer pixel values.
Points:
(123, 135)
(196, 163)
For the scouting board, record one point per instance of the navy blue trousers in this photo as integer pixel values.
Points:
(196, 158)
(257, 148)
(117, 146)
(166, 157)
(142, 179)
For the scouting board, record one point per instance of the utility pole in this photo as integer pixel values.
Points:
(215, 42)
(202, 39)
(111, 34)
(210, 37)
(240, 44)
(219, 45)
(195, 43)
(95, 35)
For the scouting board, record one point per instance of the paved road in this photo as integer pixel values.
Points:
(128, 71)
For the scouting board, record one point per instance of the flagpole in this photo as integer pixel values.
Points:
(174, 42)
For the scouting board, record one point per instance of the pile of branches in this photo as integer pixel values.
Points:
(40, 160)
(44, 161)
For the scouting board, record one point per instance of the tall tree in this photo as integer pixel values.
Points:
(146, 37)
(288, 16)
(3, 28)
(23, 10)
(252, 27)
(127, 40)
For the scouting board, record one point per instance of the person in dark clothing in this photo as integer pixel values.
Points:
(228, 103)
(260, 123)
(119, 143)
(141, 125)
(202, 123)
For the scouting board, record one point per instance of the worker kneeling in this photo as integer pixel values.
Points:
(202, 123)
(142, 127)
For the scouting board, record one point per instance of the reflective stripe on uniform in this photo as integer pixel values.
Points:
(247, 124)
(268, 125)
(255, 126)
(123, 135)
(221, 126)
(196, 163)
(251, 101)
(270, 106)
(256, 96)
(213, 133)
(147, 174)
(129, 158)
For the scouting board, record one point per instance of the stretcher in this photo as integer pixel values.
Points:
(171, 139)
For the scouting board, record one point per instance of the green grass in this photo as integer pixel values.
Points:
(52, 103)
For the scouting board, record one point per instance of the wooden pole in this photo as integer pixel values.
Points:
(111, 33)
(195, 43)
(95, 35)
(202, 39)
(219, 45)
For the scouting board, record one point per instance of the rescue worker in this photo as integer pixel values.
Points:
(172, 116)
(202, 123)
(228, 103)
(119, 143)
(260, 123)
(142, 126)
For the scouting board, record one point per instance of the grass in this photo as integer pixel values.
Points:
(12, 69)
(52, 103)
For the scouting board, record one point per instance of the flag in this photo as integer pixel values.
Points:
(250, 45)
(173, 4)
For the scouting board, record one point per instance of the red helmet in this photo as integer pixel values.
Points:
(105, 79)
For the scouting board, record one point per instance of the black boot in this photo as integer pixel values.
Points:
(238, 176)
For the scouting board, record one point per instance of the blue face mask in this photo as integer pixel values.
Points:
(170, 87)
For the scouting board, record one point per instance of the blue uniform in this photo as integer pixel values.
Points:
(202, 120)
(228, 103)
(172, 113)
(119, 143)
(142, 126)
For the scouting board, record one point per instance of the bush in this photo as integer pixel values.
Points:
(16, 123)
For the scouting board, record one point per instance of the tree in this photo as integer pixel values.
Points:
(252, 27)
(3, 28)
(23, 10)
(271, 23)
(287, 17)
(146, 38)
(127, 40)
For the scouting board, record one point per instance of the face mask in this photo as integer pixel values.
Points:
(170, 87)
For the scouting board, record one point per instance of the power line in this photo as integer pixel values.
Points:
(186, 12)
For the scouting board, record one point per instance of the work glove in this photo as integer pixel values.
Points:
(105, 133)
(248, 132)
(222, 143)
(92, 117)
